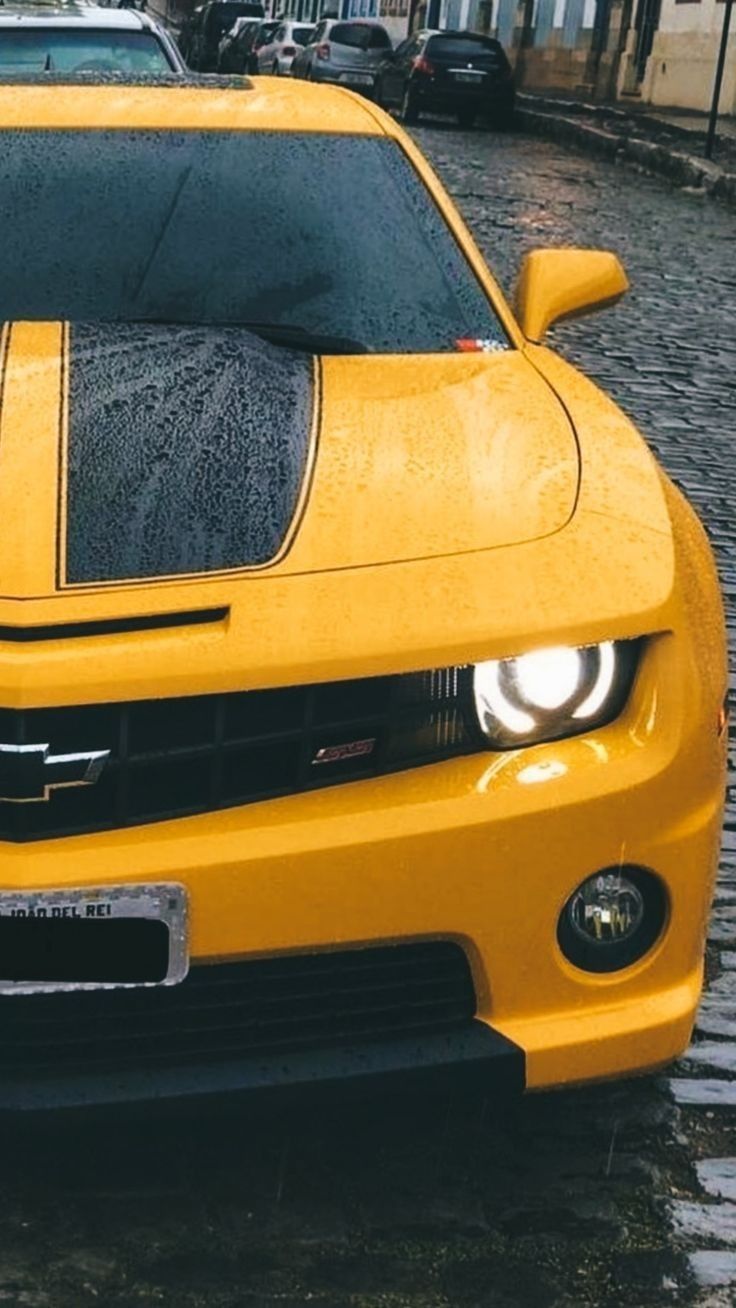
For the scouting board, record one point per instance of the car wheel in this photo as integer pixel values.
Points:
(409, 111)
(466, 117)
(276, 72)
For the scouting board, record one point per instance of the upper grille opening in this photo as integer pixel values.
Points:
(177, 757)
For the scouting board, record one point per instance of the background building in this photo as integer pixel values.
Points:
(660, 52)
(680, 66)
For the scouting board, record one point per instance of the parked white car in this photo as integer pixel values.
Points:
(277, 56)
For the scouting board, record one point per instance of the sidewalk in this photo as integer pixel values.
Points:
(666, 141)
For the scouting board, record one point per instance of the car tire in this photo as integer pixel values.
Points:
(408, 112)
(466, 117)
(275, 71)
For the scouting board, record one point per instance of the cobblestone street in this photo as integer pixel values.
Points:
(622, 1194)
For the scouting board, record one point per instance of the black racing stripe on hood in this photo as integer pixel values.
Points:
(186, 450)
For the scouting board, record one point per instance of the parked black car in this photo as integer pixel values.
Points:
(201, 34)
(447, 72)
(238, 51)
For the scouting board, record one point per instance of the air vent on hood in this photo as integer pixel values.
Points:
(113, 626)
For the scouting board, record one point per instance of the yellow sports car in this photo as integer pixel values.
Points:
(362, 675)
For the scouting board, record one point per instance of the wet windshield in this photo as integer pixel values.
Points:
(55, 49)
(464, 47)
(360, 35)
(333, 233)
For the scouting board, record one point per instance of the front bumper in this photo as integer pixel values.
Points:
(482, 851)
(355, 79)
(447, 98)
(474, 1058)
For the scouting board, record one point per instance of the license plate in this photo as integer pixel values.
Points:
(93, 938)
(467, 77)
(357, 79)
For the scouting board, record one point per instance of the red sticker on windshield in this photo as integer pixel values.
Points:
(476, 345)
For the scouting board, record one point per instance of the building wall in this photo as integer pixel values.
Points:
(394, 14)
(681, 67)
(594, 48)
(553, 43)
(396, 25)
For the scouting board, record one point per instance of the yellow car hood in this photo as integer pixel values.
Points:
(136, 453)
(425, 456)
(430, 465)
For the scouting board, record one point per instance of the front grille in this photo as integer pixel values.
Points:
(235, 1010)
(176, 757)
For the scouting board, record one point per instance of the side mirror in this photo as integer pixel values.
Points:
(558, 284)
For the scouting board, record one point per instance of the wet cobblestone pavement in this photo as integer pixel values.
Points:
(617, 1195)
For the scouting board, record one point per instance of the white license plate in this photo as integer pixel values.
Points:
(98, 937)
(467, 77)
(357, 79)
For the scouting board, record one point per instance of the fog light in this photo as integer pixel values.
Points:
(612, 919)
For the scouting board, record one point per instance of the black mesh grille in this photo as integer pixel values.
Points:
(240, 1009)
(175, 757)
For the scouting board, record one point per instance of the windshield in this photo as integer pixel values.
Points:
(300, 35)
(361, 36)
(79, 50)
(335, 234)
(464, 47)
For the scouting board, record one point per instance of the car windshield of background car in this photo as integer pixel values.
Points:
(66, 51)
(361, 36)
(454, 47)
(334, 233)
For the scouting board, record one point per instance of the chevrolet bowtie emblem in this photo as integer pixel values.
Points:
(28, 773)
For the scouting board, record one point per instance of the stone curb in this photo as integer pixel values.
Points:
(683, 169)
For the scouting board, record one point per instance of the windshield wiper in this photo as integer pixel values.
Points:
(301, 338)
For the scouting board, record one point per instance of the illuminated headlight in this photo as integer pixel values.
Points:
(550, 693)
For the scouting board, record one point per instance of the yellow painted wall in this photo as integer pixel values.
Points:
(681, 70)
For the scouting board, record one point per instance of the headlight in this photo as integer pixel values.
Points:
(551, 693)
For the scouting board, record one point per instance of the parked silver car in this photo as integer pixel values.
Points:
(347, 53)
(278, 54)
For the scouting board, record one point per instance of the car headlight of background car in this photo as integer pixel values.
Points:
(550, 693)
